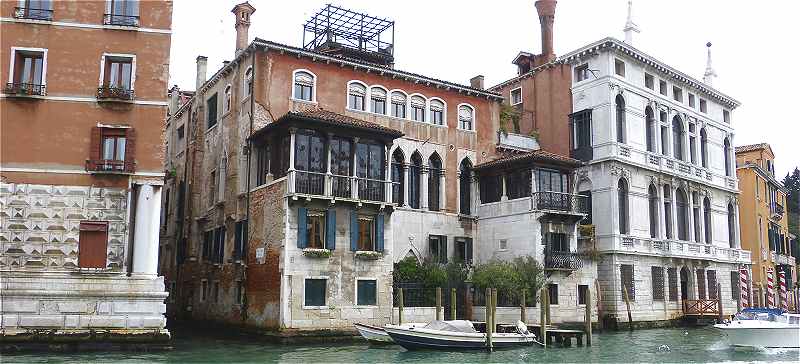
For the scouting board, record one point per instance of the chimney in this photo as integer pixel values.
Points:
(243, 12)
(174, 99)
(547, 14)
(476, 82)
(202, 62)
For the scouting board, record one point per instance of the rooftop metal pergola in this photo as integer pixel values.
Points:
(334, 27)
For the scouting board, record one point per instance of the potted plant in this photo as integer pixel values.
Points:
(316, 253)
(368, 255)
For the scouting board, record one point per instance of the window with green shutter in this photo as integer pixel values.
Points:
(366, 292)
(315, 292)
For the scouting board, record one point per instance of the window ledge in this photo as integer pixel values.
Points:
(312, 102)
(368, 255)
(317, 253)
(315, 307)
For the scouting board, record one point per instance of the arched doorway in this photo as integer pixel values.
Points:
(684, 283)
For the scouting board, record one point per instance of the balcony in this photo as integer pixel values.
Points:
(562, 261)
(682, 249)
(109, 166)
(121, 20)
(33, 14)
(25, 89)
(560, 202)
(338, 187)
(114, 93)
(776, 211)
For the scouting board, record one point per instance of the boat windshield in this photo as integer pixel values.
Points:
(464, 326)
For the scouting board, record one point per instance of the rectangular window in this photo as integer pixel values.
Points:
(557, 242)
(316, 230)
(619, 67)
(366, 233)
(672, 275)
(726, 116)
(398, 110)
(664, 140)
(29, 68)
(649, 81)
(122, 12)
(712, 284)
(464, 250)
(503, 245)
(34, 9)
(211, 111)
(662, 87)
(581, 73)
(692, 103)
(627, 280)
(703, 106)
(118, 73)
(417, 112)
(315, 292)
(490, 188)
(181, 132)
(677, 94)
(240, 239)
(581, 123)
(701, 283)
(113, 146)
(218, 249)
(208, 243)
(203, 290)
(657, 279)
(367, 292)
(356, 101)
(552, 181)
(518, 183)
(212, 188)
(516, 96)
(92, 244)
(552, 293)
(735, 289)
(437, 247)
(583, 293)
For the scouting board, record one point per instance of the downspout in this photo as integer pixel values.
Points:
(247, 200)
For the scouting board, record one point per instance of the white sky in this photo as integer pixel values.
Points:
(754, 45)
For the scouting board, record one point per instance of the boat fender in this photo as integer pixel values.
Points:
(522, 329)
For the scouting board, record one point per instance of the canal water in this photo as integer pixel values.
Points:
(675, 345)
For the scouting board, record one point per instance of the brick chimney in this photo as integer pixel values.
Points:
(243, 12)
(476, 82)
(174, 99)
(200, 78)
(547, 14)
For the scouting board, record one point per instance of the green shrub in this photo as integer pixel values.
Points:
(523, 274)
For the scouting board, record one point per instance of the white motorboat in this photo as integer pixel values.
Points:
(456, 334)
(763, 327)
(378, 334)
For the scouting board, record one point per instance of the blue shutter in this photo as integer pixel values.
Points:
(353, 231)
(379, 232)
(302, 227)
(330, 229)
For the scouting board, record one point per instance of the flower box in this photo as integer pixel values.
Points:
(317, 253)
(368, 255)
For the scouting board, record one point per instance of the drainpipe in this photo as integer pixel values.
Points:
(247, 201)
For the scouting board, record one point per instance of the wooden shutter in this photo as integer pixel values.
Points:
(712, 284)
(130, 150)
(93, 244)
(302, 227)
(95, 139)
(701, 284)
(330, 229)
(353, 231)
(379, 232)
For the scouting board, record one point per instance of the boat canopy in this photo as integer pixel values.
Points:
(756, 310)
(464, 326)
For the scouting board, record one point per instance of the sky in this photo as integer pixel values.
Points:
(754, 45)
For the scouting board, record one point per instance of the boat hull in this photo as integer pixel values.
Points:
(415, 339)
(373, 334)
(766, 337)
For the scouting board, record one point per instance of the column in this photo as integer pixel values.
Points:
(662, 220)
(146, 228)
(702, 217)
(423, 188)
(387, 168)
(674, 212)
(690, 200)
(406, 184)
(737, 238)
(328, 174)
(291, 171)
(354, 178)
(442, 195)
(504, 194)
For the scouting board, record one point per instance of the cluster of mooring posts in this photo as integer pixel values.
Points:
(548, 334)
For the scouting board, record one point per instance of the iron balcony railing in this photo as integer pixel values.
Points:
(25, 89)
(560, 201)
(109, 165)
(123, 20)
(114, 93)
(561, 260)
(337, 186)
(777, 210)
(32, 13)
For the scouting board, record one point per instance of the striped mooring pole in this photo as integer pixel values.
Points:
(770, 288)
(784, 304)
(744, 284)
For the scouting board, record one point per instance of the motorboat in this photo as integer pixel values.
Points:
(763, 327)
(455, 335)
(377, 334)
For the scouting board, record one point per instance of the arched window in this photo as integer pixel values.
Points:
(704, 147)
(466, 117)
(310, 156)
(668, 211)
(398, 177)
(622, 200)
(651, 127)
(378, 100)
(731, 226)
(356, 94)
(652, 197)
(465, 187)
(434, 185)
(727, 150)
(248, 82)
(683, 214)
(227, 98)
(677, 138)
(620, 101)
(417, 108)
(414, 176)
(707, 219)
(303, 86)
(398, 104)
(437, 112)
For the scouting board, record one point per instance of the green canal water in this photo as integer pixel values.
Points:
(694, 345)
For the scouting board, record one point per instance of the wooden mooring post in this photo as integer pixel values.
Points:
(400, 306)
(588, 318)
(627, 306)
(494, 309)
(438, 303)
(522, 308)
(489, 325)
(453, 303)
(599, 305)
(543, 316)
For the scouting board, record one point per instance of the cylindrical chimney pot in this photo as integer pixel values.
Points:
(202, 65)
(547, 14)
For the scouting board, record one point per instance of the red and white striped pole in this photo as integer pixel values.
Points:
(743, 287)
(782, 290)
(770, 288)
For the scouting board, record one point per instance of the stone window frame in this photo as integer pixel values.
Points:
(355, 292)
(13, 54)
(305, 280)
(103, 59)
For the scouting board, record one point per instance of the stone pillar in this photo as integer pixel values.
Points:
(145, 241)
(354, 180)
(504, 194)
(387, 176)
(406, 184)
(737, 239)
(442, 195)
(690, 200)
(702, 217)
(423, 188)
(662, 220)
(290, 173)
(674, 212)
